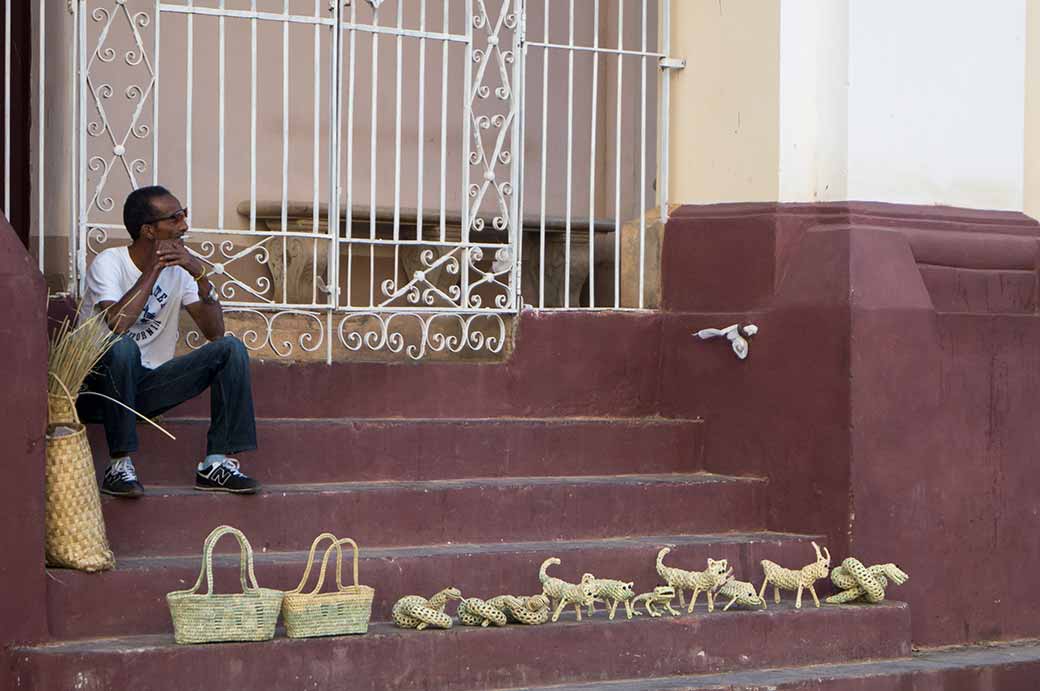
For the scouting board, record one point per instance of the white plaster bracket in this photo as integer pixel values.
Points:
(672, 63)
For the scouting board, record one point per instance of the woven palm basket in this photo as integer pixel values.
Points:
(74, 526)
(211, 617)
(345, 611)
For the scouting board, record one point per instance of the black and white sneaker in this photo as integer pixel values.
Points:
(225, 477)
(121, 480)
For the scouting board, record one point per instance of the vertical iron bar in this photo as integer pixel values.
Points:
(190, 88)
(617, 158)
(468, 97)
(664, 116)
(285, 150)
(316, 157)
(73, 232)
(421, 173)
(335, 111)
(545, 141)
(155, 97)
(516, 224)
(372, 166)
(642, 162)
(349, 229)
(570, 159)
(252, 119)
(397, 149)
(592, 156)
(444, 118)
(221, 71)
(81, 246)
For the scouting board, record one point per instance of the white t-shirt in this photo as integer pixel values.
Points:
(113, 273)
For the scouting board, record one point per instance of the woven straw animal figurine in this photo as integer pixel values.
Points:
(564, 593)
(532, 611)
(787, 579)
(678, 579)
(611, 593)
(661, 595)
(739, 592)
(708, 581)
(860, 582)
(476, 612)
(416, 612)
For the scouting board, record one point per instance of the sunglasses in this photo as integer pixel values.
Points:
(175, 216)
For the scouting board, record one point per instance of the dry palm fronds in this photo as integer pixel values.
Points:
(75, 351)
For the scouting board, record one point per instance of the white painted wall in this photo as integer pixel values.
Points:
(936, 102)
(814, 58)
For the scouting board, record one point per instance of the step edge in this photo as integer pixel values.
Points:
(691, 478)
(164, 641)
(146, 562)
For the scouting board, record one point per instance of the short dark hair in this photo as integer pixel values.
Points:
(138, 211)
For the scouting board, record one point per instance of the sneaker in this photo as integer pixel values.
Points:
(225, 477)
(121, 480)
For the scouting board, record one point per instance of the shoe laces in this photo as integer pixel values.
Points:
(232, 466)
(123, 470)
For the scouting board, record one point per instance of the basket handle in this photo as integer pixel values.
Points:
(68, 394)
(339, 561)
(245, 566)
(310, 563)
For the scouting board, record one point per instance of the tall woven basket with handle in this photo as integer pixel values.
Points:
(74, 526)
(211, 617)
(347, 610)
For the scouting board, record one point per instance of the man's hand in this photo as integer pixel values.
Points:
(175, 253)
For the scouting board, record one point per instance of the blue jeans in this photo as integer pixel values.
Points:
(222, 366)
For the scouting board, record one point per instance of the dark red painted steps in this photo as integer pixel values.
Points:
(1013, 666)
(176, 520)
(465, 658)
(358, 449)
(82, 604)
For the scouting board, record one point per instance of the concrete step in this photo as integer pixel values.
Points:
(131, 599)
(1011, 666)
(461, 658)
(358, 449)
(176, 520)
(562, 364)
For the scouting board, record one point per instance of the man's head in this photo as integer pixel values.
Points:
(153, 213)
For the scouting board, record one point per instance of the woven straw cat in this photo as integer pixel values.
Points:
(611, 593)
(788, 579)
(564, 593)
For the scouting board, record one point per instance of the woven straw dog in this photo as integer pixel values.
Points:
(74, 526)
(247, 616)
(347, 610)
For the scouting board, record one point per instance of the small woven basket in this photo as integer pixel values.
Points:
(345, 611)
(74, 525)
(208, 618)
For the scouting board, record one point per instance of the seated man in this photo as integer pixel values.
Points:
(143, 287)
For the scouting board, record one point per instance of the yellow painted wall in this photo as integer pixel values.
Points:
(725, 142)
(1032, 115)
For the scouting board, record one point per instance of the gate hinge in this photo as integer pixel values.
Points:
(672, 63)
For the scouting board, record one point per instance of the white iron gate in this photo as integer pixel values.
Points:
(340, 201)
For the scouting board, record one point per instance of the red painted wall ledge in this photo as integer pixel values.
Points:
(721, 257)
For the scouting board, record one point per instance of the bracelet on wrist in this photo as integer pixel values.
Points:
(202, 275)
